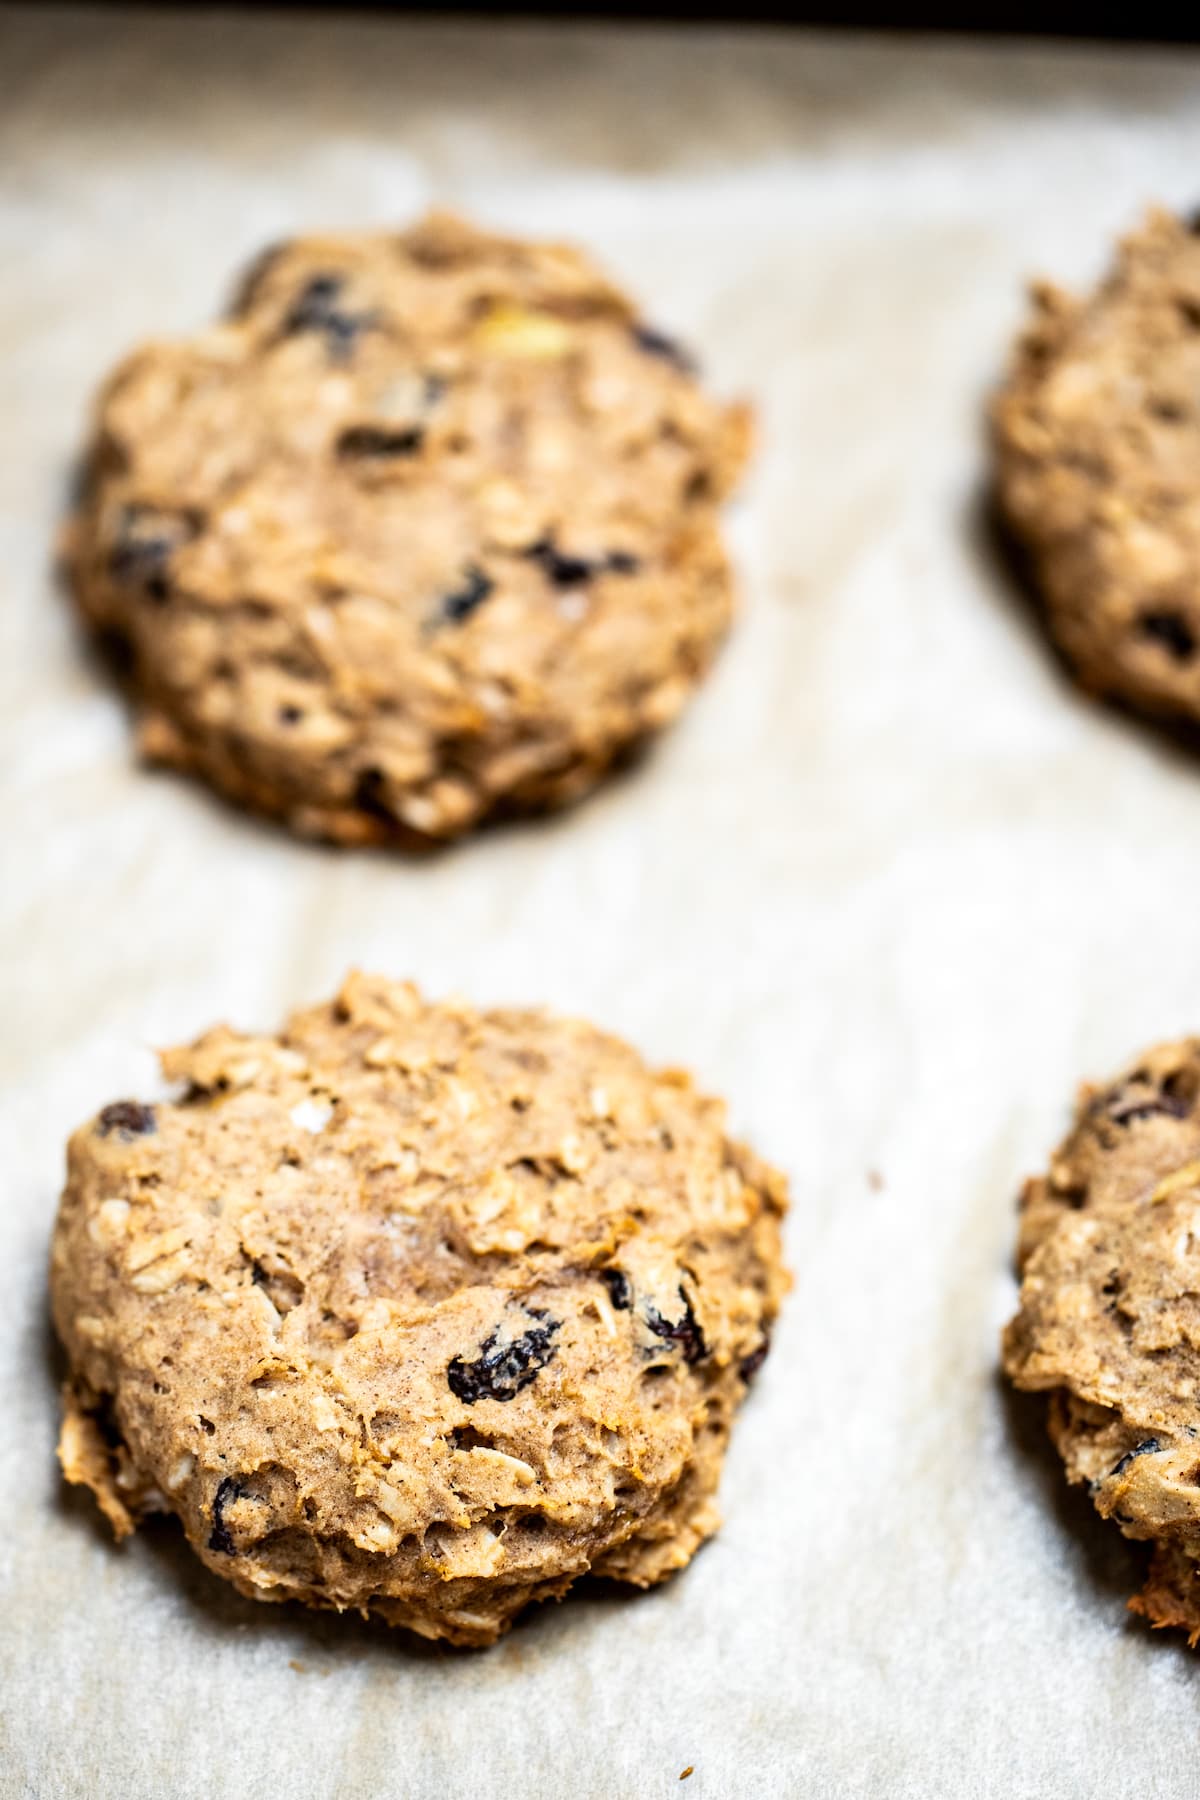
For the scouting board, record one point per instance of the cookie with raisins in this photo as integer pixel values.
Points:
(425, 530)
(414, 1310)
(1108, 1325)
(1096, 440)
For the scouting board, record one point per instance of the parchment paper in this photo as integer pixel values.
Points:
(890, 886)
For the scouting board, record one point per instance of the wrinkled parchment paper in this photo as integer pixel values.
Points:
(890, 887)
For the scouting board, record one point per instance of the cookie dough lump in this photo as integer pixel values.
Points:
(415, 1310)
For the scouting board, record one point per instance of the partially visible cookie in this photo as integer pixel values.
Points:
(1109, 1318)
(426, 530)
(414, 1310)
(1097, 451)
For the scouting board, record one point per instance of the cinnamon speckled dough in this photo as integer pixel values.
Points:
(1109, 1318)
(414, 1309)
(426, 529)
(1097, 443)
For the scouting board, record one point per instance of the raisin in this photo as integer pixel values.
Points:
(750, 1365)
(316, 308)
(620, 1288)
(685, 1332)
(657, 343)
(1131, 1102)
(462, 603)
(569, 571)
(563, 571)
(1147, 1447)
(501, 1370)
(219, 1538)
(1172, 631)
(129, 1118)
(371, 440)
(146, 540)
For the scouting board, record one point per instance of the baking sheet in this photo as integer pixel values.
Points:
(889, 886)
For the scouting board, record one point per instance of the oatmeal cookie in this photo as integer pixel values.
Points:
(1097, 450)
(427, 529)
(1109, 1318)
(414, 1310)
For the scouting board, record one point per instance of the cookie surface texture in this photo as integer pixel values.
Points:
(415, 1310)
(1109, 1319)
(426, 530)
(1097, 450)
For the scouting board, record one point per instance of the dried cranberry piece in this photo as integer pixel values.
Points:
(129, 1118)
(501, 1370)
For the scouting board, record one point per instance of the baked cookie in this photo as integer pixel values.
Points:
(425, 530)
(1097, 451)
(1109, 1318)
(413, 1309)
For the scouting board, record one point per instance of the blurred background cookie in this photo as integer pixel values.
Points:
(1097, 451)
(425, 530)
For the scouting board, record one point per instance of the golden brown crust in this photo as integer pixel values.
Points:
(1097, 449)
(414, 1309)
(1170, 1598)
(425, 530)
(1108, 1324)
